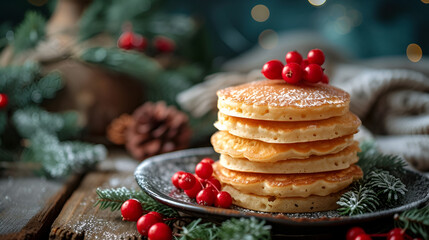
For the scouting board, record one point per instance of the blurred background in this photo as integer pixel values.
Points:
(142, 74)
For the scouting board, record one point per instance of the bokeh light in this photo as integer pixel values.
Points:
(317, 2)
(268, 39)
(38, 3)
(414, 52)
(260, 13)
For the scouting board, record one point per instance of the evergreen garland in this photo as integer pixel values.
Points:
(379, 187)
(415, 220)
(244, 228)
(197, 230)
(30, 32)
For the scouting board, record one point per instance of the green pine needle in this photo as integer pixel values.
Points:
(196, 231)
(113, 199)
(370, 159)
(386, 186)
(415, 220)
(244, 228)
(30, 32)
(359, 200)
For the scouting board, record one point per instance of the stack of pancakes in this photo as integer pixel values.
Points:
(285, 148)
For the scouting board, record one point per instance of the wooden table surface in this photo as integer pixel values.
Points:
(32, 207)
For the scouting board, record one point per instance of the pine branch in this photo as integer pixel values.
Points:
(370, 159)
(30, 120)
(415, 220)
(196, 231)
(386, 186)
(29, 32)
(244, 228)
(113, 199)
(360, 199)
(60, 158)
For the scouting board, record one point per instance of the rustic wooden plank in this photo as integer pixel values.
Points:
(79, 219)
(30, 204)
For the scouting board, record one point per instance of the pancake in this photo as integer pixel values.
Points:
(289, 132)
(331, 162)
(285, 205)
(254, 150)
(288, 185)
(278, 101)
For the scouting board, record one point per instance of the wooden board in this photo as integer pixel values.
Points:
(79, 219)
(30, 204)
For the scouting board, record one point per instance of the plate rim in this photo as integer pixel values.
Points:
(291, 221)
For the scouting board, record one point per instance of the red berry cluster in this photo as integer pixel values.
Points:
(357, 233)
(130, 40)
(202, 186)
(3, 100)
(297, 69)
(150, 225)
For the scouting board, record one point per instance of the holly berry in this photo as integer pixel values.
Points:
(352, 233)
(363, 236)
(304, 63)
(273, 69)
(139, 42)
(126, 40)
(292, 73)
(145, 222)
(164, 44)
(313, 73)
(316, 56)
(160, 231)
(192, 193)
(204, 170)
(131, 210)
(3, 100)
(223, 200)
(206, 197)
(157, 215)
(396, 237)
(186, 181)
(212, 182)
(207, 160)
(293, 57)
(175, 178)
(395, 231)
(325, 79)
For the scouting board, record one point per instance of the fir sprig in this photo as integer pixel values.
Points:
(113, 199)
(379, 188)
(244, 228)
(415, 220)
(30, 32)
(197, 230)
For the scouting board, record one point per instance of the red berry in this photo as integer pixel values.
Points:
(131, 210)
(145, 222)
(273, 69)
(206, 197)
(325, 79)
(316, 56)
(363, 236)
(304, 63)
(396, 231)
(187, 181)
(353, 232)
(204, 170)
(126, 40)
(164, 44)
(192, 193)
(212, 182)
(395, 237)
(160, 231)
(139, 42)
(293, 57)
(208, 160)
(223, 200)
(157, 215)
(313, 73)
(175, 178)
(3, 100)
(292, 73)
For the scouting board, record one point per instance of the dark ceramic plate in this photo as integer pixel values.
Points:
(154, 174)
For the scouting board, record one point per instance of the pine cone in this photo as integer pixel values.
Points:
(157, 129)
(117, 128)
